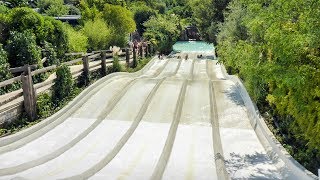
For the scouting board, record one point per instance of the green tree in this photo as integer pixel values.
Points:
(23, 49)
(272, 47)
(121, 21)
(77, 41)
(16, 3)
(207, 15)
(98, 33)
(21, 19)
(56, 34)
(163, 31)
(53, 7)
(142, 14)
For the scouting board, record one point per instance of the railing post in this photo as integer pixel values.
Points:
(85, 60)
(85, 74)
(29, 94)
(140, 51)
(128, 57)
(103, 63)
(134, 58)
(147, 50)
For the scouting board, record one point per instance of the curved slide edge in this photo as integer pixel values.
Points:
(6, 141)
(293, 169)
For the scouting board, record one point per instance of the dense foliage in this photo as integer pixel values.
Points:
(4, 69)
(274, 47)
(63, 85)
(207, 15)
(163, 31)
(23, 49)
(97, 39)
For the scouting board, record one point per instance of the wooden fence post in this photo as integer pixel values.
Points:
(147, 50)
(140, 51)
(128, 57)
(85, 60)
(85, 74)
(134, 58)
(29, 94)
(103, 62)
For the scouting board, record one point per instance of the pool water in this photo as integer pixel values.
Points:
(193, 46)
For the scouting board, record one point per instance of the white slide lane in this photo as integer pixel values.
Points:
(175, 119)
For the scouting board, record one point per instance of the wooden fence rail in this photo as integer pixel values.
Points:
(29, 89)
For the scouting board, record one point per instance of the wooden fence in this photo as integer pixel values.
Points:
(29, 90)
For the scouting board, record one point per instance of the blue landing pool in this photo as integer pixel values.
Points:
(193, 46)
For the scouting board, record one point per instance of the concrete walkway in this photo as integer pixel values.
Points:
(176, 119)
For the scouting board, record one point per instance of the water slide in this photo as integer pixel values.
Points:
(175, 119)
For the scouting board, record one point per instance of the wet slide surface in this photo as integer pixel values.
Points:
(179, 119)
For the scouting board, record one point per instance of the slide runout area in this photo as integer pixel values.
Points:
(93, 107)
(196, 108)
(170, 69)
(156, 68)
(200, 70)
(214, 70)
(185, 69)
(90, 149)
(245, 157)
(28, 135)
(65, 143)
(192, 156)
(161, 106)
(139, 156)
(130, 104)
(54, 142)
(21, 138)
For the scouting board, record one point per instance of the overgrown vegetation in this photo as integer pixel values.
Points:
(273, 46)
(63, 84)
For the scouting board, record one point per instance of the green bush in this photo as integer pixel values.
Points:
(116, 67)
(16, 3)
(53, 7)
(22, 19)
(73, 10)
(23, 49)
(45, 105)
(77, 41)
(63, 85)
(98, 33)
(50, 54)
(163, 30)
(57, 35)
(4, 70)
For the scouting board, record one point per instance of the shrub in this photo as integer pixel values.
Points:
(50, 54)
(116, 67)
(44, 105)
(73, 10)
(98, 33)
(57, 35)
(22, 19)
(4, 70)
(23, 49)
(63, 85)
(77, 41)
(53, 7)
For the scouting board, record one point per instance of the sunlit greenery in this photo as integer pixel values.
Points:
(274, 47)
